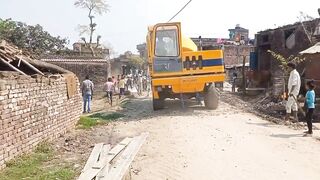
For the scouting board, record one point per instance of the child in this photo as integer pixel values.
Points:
(310, 104)
(109, 88)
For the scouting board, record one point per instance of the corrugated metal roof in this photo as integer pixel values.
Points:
(77, 60)
(312, 50)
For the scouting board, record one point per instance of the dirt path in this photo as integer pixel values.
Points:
(222, 144)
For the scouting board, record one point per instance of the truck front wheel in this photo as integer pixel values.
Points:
(211, 98)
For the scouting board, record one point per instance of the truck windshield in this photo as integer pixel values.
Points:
(167, 42)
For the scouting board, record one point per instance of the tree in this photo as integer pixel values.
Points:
(31, 38)
(136, 61)
(284, 61)
(308, 29)
(94, 7)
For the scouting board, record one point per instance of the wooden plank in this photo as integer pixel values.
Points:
(94, 156)
(119, 169)
(88, 172)
(103, 157)
(126, 141)
(118, 148)
(104, 166)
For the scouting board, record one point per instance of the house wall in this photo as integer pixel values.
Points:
(276, 40)
(231, 53)
(98, 71)
(288, 40)
(312, 64)
(36, 109)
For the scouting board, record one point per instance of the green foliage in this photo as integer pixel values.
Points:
(86, 122)
(107, 117)
(31, 38)
(284, 61)
(32, 166)
(136, 61)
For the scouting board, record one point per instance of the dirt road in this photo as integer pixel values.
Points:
(224, 144)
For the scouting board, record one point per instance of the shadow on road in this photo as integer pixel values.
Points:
(287, 135)
(266, 124)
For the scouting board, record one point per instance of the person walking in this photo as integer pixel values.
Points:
(139, 85)
(109, 88)
(115, 83)
(122, 86)
(310, 104)
(87, 93)
(234, 78)
(294, 84)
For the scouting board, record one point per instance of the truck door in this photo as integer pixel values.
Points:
(167, 49)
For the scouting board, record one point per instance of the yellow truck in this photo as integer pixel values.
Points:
(179, 70)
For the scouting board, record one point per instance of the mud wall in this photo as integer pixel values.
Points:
(34, 109)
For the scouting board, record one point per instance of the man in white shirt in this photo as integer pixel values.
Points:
(294, 84)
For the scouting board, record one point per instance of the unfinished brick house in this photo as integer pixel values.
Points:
(98, 69)
(81, 62)
(287, 40)
(38, 102)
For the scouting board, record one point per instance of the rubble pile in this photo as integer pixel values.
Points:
(271, 106)
(266, 107)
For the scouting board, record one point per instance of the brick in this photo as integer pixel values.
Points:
(32, 112)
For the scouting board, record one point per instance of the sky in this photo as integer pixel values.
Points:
(125, 25)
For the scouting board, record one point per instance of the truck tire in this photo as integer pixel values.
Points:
(158, 104)
(211, 98)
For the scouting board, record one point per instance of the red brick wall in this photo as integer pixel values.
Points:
(231, 53)
(33, 110)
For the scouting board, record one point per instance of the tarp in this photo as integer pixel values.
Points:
(312, 50)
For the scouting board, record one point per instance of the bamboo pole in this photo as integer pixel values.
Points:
(12, 67)
(31, 66)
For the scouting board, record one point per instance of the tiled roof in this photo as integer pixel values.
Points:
(77, 60)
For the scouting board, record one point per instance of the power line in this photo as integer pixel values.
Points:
(180, 10)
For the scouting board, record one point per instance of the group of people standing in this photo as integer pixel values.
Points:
(294, 85)
(124, 83)
(119, 85)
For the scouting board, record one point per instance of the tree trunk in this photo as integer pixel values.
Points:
(46, 67)
(91, 26)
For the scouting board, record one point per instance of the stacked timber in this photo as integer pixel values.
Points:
(112, 164)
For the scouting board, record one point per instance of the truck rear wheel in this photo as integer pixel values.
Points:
(158, 104)
(211, 98)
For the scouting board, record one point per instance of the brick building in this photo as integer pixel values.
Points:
(239, 34)
(98, 69)
(287, 40)
(81, 62)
